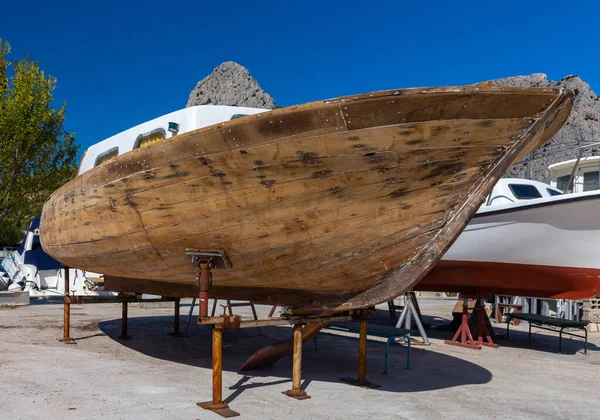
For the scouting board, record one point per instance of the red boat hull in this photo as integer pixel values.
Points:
(512, 280)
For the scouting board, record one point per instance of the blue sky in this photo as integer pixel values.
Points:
(121, 63)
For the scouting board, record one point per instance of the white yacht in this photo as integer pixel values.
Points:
(527, 239)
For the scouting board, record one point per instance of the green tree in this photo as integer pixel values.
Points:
(37, 155)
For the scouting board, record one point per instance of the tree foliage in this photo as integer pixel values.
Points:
(37, 155)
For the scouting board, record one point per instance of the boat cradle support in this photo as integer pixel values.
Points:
(361, 379)
(206, 261)
(483, 336)
(220, 323)
(66, 338)
(121, 298)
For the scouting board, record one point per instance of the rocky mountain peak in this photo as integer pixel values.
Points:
(230, 84)
(583, 125)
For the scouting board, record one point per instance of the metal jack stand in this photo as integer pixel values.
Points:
(234, 321)
(187, 324)
(217, 405)
(466, 339)
(205, 261)
(297, 392)
(176, 332)
(481, 329)
(124, 335)
(122, 298)
(67, 312)
(362, 356)
(412, 307)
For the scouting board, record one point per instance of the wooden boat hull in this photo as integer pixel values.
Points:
(545, 248)
(335, 204)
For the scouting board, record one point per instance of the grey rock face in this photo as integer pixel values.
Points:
(582, 127)
(230, 84)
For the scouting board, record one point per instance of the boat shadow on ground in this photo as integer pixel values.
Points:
(334, 357)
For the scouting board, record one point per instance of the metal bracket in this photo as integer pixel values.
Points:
(231, 321)
(214, 258)
(205, 260)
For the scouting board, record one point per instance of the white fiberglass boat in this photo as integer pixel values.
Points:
(30, 269)
(526, 240)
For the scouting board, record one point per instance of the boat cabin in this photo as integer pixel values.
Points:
(585, 178)
(159, 129)
(510, 190)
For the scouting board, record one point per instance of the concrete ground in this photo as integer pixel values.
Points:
(156, 376)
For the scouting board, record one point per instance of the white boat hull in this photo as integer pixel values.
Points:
(547, 247)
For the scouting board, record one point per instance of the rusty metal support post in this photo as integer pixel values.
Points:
(176, 317)
(203, 285)
(67, 311)
(297, 358)
(217, 366)
(176, 332)
(124, 335)
(297, 392)
(362, 350)
(362, 356)
(217, 405)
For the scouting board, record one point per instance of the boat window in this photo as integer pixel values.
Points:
(150, 137)
(236, 116)
(590, 181)
(561, 183)
(106, 156)
(553, 192)
(524, 191)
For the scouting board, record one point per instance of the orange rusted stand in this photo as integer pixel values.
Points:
(203, 285)
(217, 405)
(466, 339)
(297, 392)
(67, 312)
(362, 357)
(481, 330)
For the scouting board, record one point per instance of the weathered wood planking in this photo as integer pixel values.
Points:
(334, 204)
(404, 138)
(391, 182)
